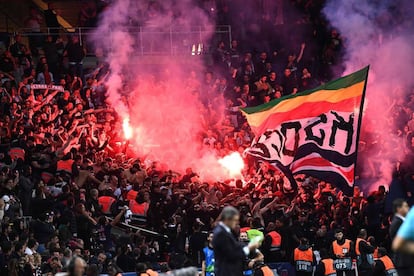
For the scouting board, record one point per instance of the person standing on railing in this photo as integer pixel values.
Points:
(50, 48)
(22, 56)
(33, 23)
(75, 53)
(51, 20)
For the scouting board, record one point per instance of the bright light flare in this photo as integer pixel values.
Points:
(233, 163)
(127, 129)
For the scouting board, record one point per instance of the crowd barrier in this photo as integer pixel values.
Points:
(279, 269)
(176, 41)
(282, 269)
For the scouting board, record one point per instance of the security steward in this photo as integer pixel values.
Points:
(326, 265)
(261, 269)
(106, 201)
(364, 253)
(303, 258)
(384, 265)
(343, 251)
(272, 244)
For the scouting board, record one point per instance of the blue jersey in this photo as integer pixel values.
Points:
(209, 260)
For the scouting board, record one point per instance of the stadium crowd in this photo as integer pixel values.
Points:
(66, 181)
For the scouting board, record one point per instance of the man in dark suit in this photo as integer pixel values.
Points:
(229, 254)
(402, 261)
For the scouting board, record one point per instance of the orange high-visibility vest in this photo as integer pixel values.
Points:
(376, 253)
(138, 209)
(65, 165)
(149, 272)
(341, 250)
(329, 267)
(387, 263)
(17, 153)
(358, 241)
(131, 195)
(303, 260)
(300, 255)
(266, 271)
(276, 240)
(106, 203)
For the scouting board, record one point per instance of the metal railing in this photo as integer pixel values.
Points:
(174, 41)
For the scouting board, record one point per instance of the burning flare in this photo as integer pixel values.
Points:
(233, 163)
(127, 129)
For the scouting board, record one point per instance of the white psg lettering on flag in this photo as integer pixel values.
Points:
(47, 86)
(334, 131)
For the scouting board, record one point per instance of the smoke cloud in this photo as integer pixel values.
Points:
(268, 25)
(165, 103)
(378, 33)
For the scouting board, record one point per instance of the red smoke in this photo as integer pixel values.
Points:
(162, 114)
(384, 41)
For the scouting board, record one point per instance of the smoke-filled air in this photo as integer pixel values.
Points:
(162, 108)
(378, 33)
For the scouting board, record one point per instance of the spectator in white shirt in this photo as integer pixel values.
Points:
(31, 248)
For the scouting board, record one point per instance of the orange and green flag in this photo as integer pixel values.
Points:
(315, 132)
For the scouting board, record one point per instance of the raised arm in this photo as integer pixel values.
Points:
(118, 217)
(302, 48)
(268, 206)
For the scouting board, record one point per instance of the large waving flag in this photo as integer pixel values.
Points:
(315, 132)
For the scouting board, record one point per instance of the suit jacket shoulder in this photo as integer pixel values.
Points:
(395, 225)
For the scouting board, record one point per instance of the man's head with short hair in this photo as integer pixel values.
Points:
(141, 268)
(287, 72)
(382, 252)
(400, 207)
(279, 222)
(230, 217)
(31, 243)
(256, 223)
(210, 237)
(94, 193)
(101, 257)
(362, 234)
(20, 247)
(76, 267)
(304, 241)
(339, 234)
